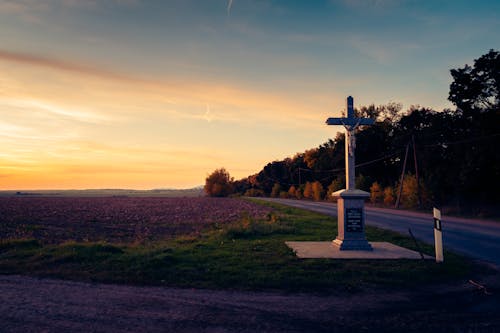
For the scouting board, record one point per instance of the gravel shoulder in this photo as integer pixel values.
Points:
(48, 305)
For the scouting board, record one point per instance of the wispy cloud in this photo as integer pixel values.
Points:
(34, 6)
(58, 64)
(26, 10)
(229, 5)
(19, 6)
(8, 129)
(382, 51)
(70, 113)
(237, 104)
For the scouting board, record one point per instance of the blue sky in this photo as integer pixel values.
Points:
(175, 89)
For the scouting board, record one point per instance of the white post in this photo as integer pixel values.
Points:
(349, 159)
(438, 235)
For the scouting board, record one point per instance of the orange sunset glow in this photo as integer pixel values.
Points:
(125, 94)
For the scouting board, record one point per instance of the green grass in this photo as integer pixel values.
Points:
(247, 254)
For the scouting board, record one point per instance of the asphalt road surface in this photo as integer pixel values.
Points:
(478, 239)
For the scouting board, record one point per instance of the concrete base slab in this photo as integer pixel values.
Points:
(381, 250)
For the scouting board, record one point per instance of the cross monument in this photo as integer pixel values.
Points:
(350, 202)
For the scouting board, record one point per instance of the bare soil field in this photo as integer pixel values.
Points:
(116, 220)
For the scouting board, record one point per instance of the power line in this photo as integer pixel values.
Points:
(462, 141)
(357, 165)
(378, 159)
(333, 170)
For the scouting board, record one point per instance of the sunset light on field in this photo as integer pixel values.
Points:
(157, 94)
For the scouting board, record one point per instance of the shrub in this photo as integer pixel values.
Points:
(253, 192)
(308, 192)
(275, 192)
(317, 191)
(376, 194)
(363, 182)
(336, 185)
(219, 183)
(409, 195)
(284, 195)
(389, 198)
(298, 193)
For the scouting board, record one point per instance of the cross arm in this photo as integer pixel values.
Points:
(349, 121)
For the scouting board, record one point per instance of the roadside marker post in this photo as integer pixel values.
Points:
(438, 235)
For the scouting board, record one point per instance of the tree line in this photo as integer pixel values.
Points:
(452, 156)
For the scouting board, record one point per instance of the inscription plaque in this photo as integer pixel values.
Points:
(354, 219)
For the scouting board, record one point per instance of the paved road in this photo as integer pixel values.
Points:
(476, 238)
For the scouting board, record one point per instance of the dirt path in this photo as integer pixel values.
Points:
(48, 305)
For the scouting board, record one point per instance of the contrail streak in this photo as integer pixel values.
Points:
(207, 116)
(229, 5)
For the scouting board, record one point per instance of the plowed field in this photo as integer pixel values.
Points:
(56, 220)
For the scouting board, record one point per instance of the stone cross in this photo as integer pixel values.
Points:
(350, 202)
(350, 123)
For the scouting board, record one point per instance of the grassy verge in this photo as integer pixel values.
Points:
(247, 254)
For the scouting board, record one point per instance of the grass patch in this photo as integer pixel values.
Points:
(247, 254)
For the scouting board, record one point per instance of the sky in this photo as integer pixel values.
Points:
(150, 94)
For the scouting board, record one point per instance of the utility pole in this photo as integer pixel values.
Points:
(402, 177)
(299, 177)
(419, 201)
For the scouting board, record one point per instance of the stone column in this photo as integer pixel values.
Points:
(351, 220)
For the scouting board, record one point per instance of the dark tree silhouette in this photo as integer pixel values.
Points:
(477, 88)
(457, 150)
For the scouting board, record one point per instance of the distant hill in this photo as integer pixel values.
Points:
(193, 192)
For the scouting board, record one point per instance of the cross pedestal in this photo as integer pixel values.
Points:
(351, 202)
(351, 220)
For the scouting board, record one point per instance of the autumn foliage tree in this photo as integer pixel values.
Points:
(308, 191)
(317, 191)
(389, 197)
(219, 183)
(336, 184)
(376, 194)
